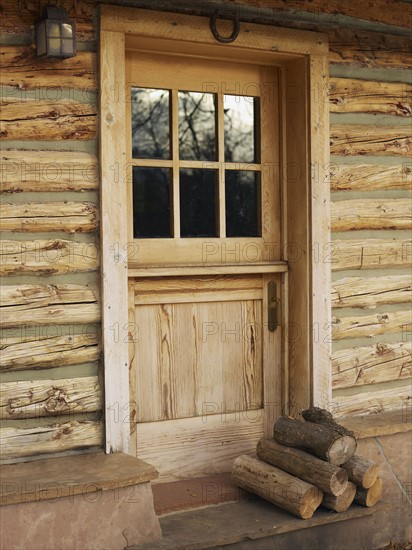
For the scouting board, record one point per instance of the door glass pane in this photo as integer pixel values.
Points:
(243, 205)
(197, 126)
(150, 123)
(241, 123)
(198, 190)
(151, 202)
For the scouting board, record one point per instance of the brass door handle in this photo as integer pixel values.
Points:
(273, 303)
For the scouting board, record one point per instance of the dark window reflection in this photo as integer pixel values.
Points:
(243, 210)
(150, 123)
(198, 190)
(197, 126)
(151, 202)
(241, 122)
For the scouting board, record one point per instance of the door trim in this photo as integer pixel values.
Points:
(303, 60)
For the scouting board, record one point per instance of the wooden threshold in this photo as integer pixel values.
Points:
(210, 269)
(246, 520)
(52, 478)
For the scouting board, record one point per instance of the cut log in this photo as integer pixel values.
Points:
(290, 493)
(325, 441)
(329, 478)
(362, 471)
(369, 497)
(341, 502)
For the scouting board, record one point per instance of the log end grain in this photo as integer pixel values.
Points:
(342, 502)
(369, 497)
(341, 450)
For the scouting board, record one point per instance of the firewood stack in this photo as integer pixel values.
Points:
(309, 463)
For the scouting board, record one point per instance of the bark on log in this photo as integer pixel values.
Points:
(324, 441)
(276, 486)
(362, 471)
(369, 497)
(341, 502)
(322, 416)
(329, 478)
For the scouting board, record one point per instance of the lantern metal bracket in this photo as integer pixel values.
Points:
(219, 37)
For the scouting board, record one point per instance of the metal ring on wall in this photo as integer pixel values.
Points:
(215, 32)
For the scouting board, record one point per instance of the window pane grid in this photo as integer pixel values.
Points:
(229, 208)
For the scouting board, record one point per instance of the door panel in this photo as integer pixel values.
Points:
(204, 191)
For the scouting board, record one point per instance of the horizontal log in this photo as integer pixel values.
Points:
(383, 11)
(38, 440)
(47, 171)
(276, 486)
(362, 139)
(369, 49)
(362, 471)
(370, 292)
(373, 401)
(371, 364)
(341, 502)
(68, 217)
(325, 441)
(48, 304)
(37, 398)
(39, 352)
(45, 120)
(370, 253)
(348, 95)
(47, 257)
(360, 214)
(369, 497)
(370, 177)
(330, 479)
(44, 79)
(362, 326)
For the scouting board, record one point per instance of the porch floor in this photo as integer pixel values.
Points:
(245, 520)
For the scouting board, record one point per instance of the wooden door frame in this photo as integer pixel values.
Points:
(303, 60)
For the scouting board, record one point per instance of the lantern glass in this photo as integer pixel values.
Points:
(53, 29)
(67, 47)
(41, 39)
(67, 30)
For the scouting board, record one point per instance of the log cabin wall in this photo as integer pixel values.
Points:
(51, 398)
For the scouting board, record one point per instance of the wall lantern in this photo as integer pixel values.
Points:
(55, 34)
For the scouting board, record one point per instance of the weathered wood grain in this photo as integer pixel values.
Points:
(47, 257)
(23, 70)
(369, 49)
(347, 95)
(194, 447)
(48, 304)
(47, 171)
(348, 215)
(41, 352)
(37, 398)
(370, 253)
(19, 17)
(371, 364)
(361, 326)
(370, 292)
(68, 217)
(38, 440)
(371, 177)
(383, 11)
(362, 139)
(47, 120)
(373, 401)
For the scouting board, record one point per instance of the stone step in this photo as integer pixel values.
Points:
(239, 522)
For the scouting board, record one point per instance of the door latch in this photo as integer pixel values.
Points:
(273, 303)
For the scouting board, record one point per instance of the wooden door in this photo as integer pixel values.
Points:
(205, 233)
